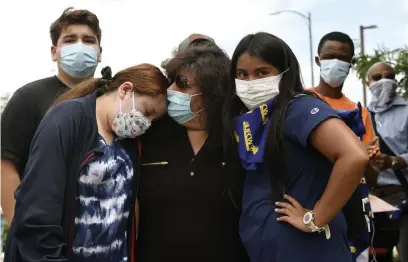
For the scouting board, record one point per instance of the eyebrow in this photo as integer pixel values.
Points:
(263, 68)
(90, 36)
(257, 69)
(70, 36)
(75, 36)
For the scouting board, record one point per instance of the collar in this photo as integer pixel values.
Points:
(397, 101)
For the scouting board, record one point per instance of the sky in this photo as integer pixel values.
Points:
(135, 32)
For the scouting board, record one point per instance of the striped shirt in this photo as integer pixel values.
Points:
(103, 205)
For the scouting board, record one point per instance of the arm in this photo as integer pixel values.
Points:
(312, 122)
(338, 143)
(371, 141)
(17, 129)
(9, 183)
(402, 160)
(40, 198)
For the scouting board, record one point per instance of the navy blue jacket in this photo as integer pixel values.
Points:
(64, 142)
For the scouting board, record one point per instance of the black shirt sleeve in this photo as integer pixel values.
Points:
(17, 129)
(40, 199)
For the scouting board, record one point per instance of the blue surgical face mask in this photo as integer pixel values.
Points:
(79, 60)
(179, 106)
(334, 72)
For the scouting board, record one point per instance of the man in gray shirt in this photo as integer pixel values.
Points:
(390, 119)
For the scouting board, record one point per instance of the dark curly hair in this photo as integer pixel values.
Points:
(210, 66)
(70, 16)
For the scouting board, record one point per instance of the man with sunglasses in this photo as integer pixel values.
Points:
(389, 112)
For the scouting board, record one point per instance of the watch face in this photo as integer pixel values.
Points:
(307, 218)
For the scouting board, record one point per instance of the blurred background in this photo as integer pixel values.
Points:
(147, 31)
(136, 32)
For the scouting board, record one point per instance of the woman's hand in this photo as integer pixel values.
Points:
(292, 213)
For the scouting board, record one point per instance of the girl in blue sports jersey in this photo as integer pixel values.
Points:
(303, 162)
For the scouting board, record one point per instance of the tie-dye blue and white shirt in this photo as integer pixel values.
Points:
(102, 206)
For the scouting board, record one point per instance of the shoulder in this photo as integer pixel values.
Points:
(304, 114)
(38, 92)
(162, 129)
(64, 114)
(35, 86)
(309, 105)
(28, 100)
(311, 89)
(63, 124)
(365, 113)
(402, 104)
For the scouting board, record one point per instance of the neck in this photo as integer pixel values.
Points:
(102, 119)
(197, 139)
(326, 90)
(69, 80)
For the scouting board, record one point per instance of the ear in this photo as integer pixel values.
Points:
(353, 61)
(54, 53)
(100, 54)
(317, 61)
(125, 90)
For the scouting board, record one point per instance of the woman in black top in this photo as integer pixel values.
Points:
(189, 191)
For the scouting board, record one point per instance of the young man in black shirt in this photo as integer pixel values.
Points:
(76, 38)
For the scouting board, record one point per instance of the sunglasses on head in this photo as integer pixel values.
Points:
(378, 77)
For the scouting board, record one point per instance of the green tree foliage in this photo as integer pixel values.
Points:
(398, 58)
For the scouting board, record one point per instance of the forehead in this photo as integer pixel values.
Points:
(381, 69)
(246, 61)
(157, 100)
(77, 30)
(157, 104)
(335, 47)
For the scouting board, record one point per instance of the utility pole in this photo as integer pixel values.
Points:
(308, 17)
(362, 28)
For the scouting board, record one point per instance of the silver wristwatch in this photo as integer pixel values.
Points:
(308, 220)
(394, 162)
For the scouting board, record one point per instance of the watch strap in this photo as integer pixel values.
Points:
(312, 226)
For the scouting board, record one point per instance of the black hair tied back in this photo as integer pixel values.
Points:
(106, 77)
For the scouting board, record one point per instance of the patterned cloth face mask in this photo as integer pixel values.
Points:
(130, 125)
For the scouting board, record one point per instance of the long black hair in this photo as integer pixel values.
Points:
(276, 52)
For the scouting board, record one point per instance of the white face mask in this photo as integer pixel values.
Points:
(334, 71)
(256, 92)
